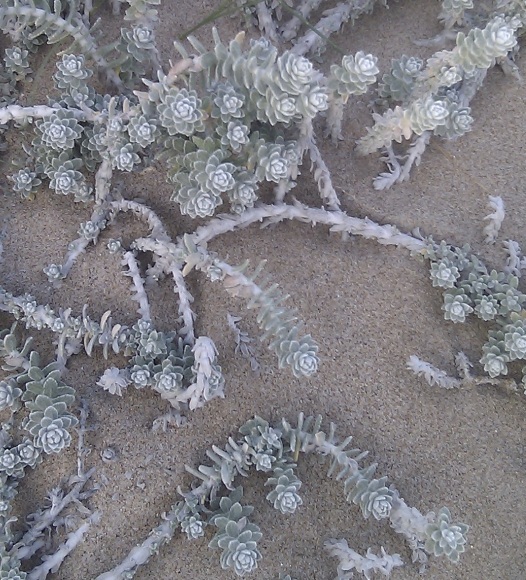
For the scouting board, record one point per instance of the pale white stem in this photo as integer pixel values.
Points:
(205, 355)
(103, 181)
(18, 113)
(495, 219)
(280, 191)
(307, 143)
(24, 548)
(162, 534)
(334, 120)
(290, 29)
(331, 21)
(322, 175)
(185, 310)
(143, 552)
(266, 23)
(144, 213)
(79, 245)
(414, 155)
(337, 220)
(52, 563)
(140, 295)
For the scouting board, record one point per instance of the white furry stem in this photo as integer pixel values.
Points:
(205, 385)
(290, 29)
(185, 310)
(168, 261)
(243, 342)
(307, 143)
(103, 181)
(322, 175)
(157, 230)
(167, 253)
(266, 23)
(52, 563)
(431, 374)
(338, 220)
(140, 295)
(350, 560)
(82, 451)
(470, 86)
(334, 119)
(515, 262)
(331, 22)
(411, 523)
(397, 173)
(24, 548)
(388, 178)
(144, 213)
(414, 155)
(78, 246)
(18, 113)
(140, 555)
(495, 219)
(280, 191)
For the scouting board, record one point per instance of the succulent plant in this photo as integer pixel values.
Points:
(64, 175)
(28, 453)
(9, 461)
(16, 62)
(300, 355)
(60, 131)
(54, 272)
(295, 73)
(458, 122)
(428, 114)
(89, 230)
(180, 111)
(354, 75)
(168, 381)
(139, 39)
(50, 429)
(372, 495)
(284, 496)
(229, 102)
(495, 358)
(444, 274)
(193, 527)
(479, 48)
(398, 83)
(486, 307)
(515, 339)
(140, 376)
(71, 72)
(9, 394)
(24, 182)
(114, 381)
(456, 305)
(236, 536)
(444, 537)
(142, 130)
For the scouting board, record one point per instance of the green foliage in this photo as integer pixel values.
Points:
(443, 537)
(204, 505)
(228, 122)
(470, 288)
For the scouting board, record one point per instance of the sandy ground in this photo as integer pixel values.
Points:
(369, 307)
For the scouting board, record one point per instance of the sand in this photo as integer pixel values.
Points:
(368, 306)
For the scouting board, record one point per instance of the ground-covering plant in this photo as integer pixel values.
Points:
(227, 123)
